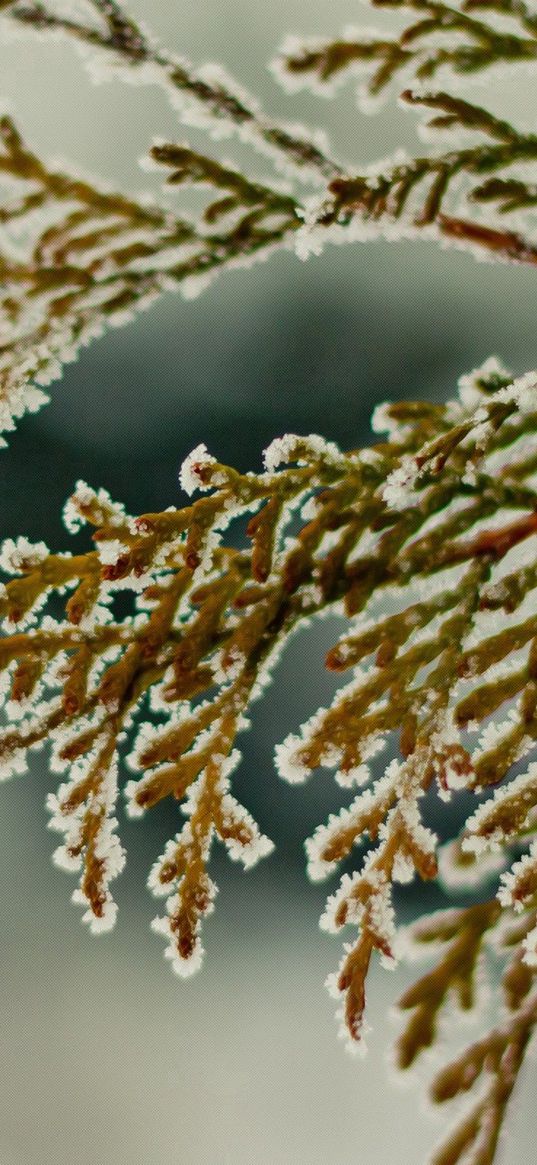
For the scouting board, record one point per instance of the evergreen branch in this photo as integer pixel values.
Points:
(418, 193)
(420, 49)
(438, 519)
(387, 193)
(106, 255)
(461, 934)
(96, 257)
(119, 35)
(497, 1057)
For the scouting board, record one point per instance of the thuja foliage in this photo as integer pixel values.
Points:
(438, 522)
(77, 257)
(424, 542)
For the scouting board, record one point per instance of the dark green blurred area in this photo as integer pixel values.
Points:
(284, 347)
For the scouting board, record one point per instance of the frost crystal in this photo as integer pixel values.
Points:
(290, 447)
(196, 470)
(16, 557)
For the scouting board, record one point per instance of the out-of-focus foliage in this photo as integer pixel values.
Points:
(76, 258)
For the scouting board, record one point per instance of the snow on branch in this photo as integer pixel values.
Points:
(76, 258)
(465, 38)
(449, 544)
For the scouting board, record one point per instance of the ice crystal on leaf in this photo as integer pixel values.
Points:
(435, 674)
(77, 257)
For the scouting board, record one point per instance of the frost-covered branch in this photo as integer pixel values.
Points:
(438, 522)
(466, 38)
(207, 95)
(424, 542)
(91, 257)
(420, 194)
(491, 1065)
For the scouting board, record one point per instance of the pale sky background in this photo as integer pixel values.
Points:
(107, 1059)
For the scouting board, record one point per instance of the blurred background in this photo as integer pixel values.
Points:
(107, 1059)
